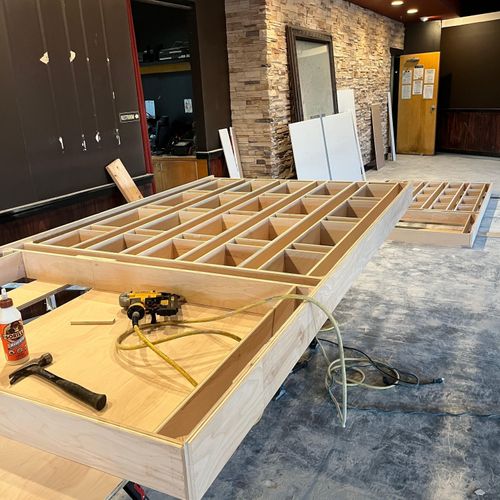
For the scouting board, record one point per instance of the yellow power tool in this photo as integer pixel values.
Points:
(138, 304)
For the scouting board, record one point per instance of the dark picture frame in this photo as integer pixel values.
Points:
(293, 35)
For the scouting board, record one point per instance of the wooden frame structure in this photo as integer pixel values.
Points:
(444, 213)
(222, 244)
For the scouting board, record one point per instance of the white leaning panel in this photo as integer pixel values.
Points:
(342, 147)
(232, 165)
(309, 153)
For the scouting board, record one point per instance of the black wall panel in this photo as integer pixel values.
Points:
(120, 67)
(13, 158)
(61, 123)
(422, 37)
(470, 69)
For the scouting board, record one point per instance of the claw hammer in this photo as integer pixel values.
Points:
(36, 367)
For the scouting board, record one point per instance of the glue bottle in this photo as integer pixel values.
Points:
(12, 332)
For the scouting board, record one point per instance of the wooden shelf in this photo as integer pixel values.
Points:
(157, 68)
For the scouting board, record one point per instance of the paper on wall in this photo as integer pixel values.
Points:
(430, 74)
(407, 76)
(428, 91)
(417, 87)
(418, 74)
(405, 91)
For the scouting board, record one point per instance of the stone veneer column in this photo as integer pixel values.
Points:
(249, 85)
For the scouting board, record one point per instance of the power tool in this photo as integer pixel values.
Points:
(138, 304)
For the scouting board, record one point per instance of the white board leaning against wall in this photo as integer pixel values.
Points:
(343, 147)
(327, 148)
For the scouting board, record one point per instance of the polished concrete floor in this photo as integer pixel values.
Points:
(460, 168)
(433, 311)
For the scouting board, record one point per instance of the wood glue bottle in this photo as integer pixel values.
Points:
(12, 332)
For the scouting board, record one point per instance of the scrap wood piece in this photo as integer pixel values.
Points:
(391, 127)
(377, 136)
(236, 150)
(103, 321)
(116, 169)
(36, 291)
(231, 162)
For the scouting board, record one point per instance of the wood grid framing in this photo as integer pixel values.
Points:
(222, 244)
(444, 213)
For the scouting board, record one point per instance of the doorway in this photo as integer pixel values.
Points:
(163, 33)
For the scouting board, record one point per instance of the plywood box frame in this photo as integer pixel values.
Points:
(181, 451)
(444, 213)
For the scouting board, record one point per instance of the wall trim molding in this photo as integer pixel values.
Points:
(460, 21)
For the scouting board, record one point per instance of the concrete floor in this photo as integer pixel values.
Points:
(434, 311)
(460, 168)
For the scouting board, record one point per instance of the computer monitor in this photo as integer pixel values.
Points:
(150, 109)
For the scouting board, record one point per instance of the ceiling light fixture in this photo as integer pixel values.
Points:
(424, 19)
(412, 11)
(397, 2)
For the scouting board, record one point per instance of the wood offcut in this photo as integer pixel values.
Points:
(123, 181)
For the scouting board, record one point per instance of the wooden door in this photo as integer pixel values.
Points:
(417, 108)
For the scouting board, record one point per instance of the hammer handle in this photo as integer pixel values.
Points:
(94, 400)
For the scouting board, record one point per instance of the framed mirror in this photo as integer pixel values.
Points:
(312, 74)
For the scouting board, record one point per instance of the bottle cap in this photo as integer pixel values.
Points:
(5, 302)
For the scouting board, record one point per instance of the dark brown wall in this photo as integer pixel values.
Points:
(73, 101)
(422, 37)
(470, 69)
(469, 96)
(471, 131)
(18, 225)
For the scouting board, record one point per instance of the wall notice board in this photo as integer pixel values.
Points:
(68, 98)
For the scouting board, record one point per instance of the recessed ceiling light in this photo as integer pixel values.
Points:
(424, 19)
(412, 11)
(397, 2)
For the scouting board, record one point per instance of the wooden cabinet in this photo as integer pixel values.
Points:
(172, 171)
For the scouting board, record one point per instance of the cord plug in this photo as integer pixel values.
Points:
(439, 380)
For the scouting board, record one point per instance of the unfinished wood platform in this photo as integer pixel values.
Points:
(222, 244)
(444, 213)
